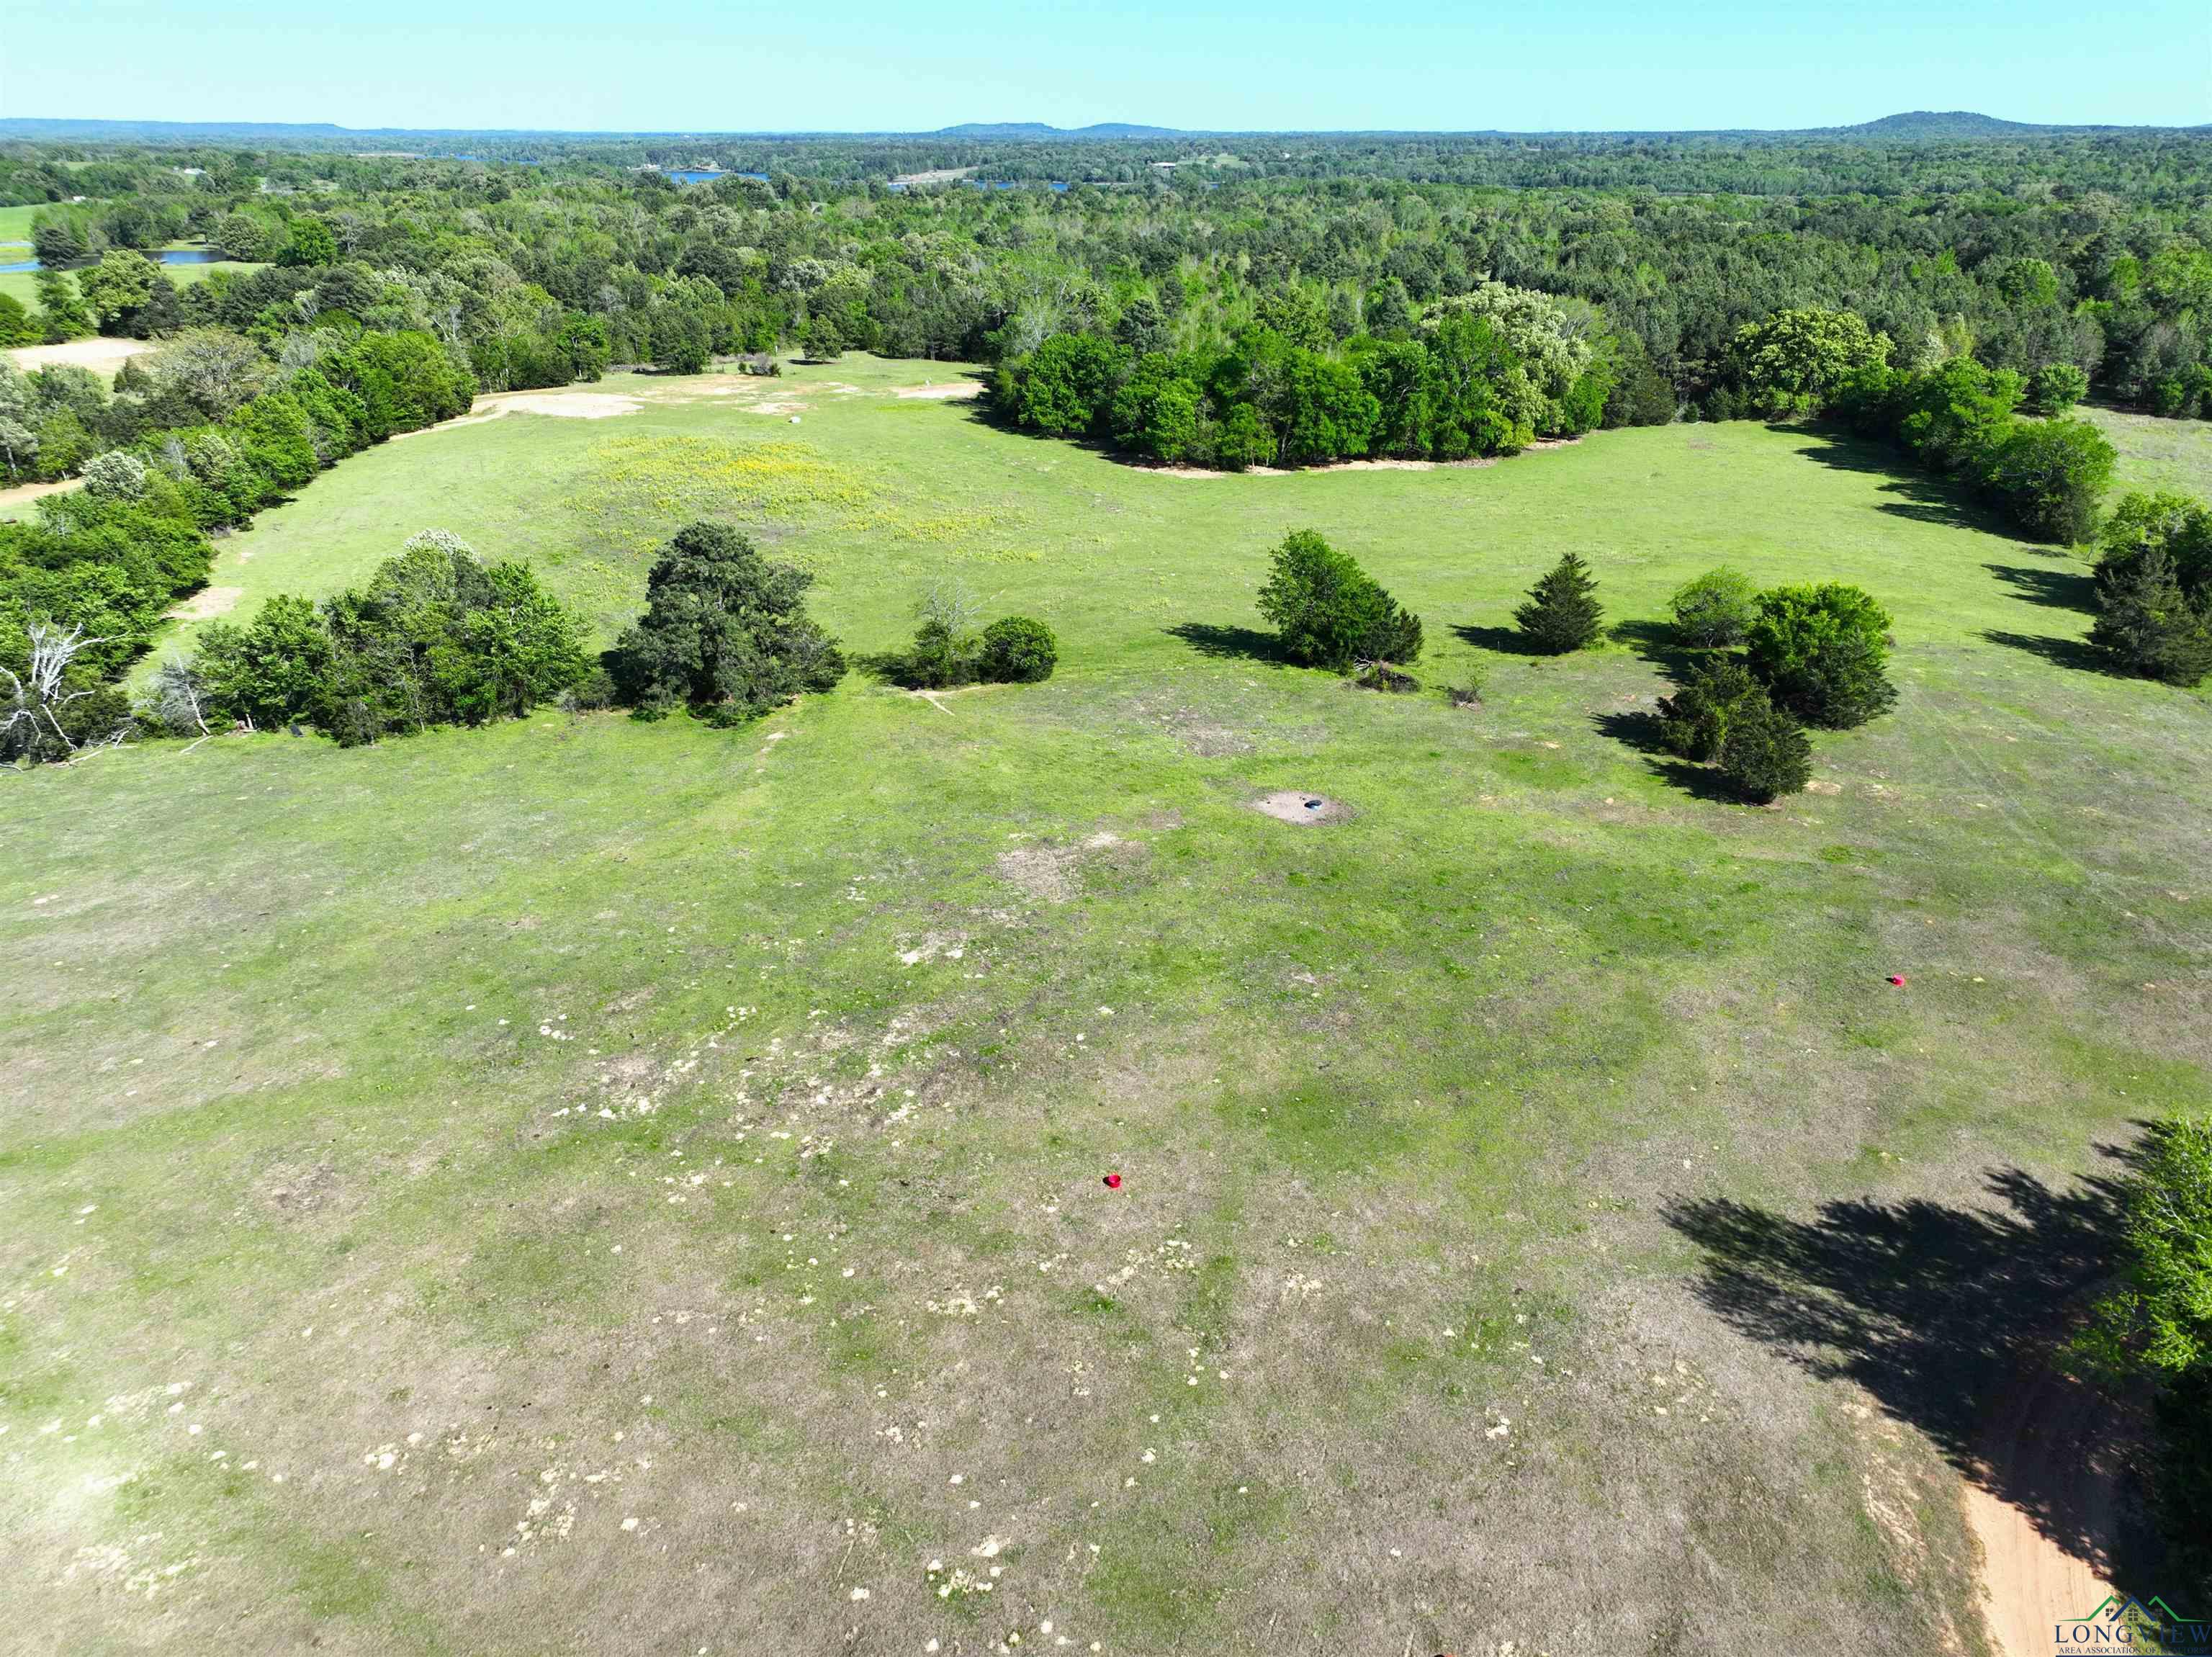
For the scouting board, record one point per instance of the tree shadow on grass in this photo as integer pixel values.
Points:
(1950, 1316)
(886, 667)
(2076, 653)
(1211, 639)
(1917, 496)
(1639, 730)
(1657, 643)
(2057, 589)
(1506, 641)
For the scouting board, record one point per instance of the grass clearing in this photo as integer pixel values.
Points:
(641, 1187)
(23, 285)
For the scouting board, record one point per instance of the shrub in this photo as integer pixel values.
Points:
(2055, 387)
(1820, 651)
(1332, 613)
(1764, 753)
(724, 633)
(946, 648)
(1694, 721)
(1381, 676)
(1562, 613)
(1712, 610)
(1018, 650)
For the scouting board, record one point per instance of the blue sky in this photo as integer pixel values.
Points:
(1280, 64)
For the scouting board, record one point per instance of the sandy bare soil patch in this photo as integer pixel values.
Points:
(1335, 465)
(209, 603)
(562, 405)
(23, 494)
(773, 406)
(101, 356)
(2050, 1439)
(941, 392)
(1296, 806)
(568, 404)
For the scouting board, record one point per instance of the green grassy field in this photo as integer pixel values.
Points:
(16, 224)
(582, 1186)
(2155, 453)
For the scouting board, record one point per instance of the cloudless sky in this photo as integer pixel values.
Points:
(910, 65)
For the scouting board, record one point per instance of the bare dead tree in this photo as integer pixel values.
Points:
(38, 701)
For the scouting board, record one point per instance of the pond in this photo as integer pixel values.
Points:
(708, 174)
(166, 255)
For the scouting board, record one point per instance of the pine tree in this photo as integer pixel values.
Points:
(1563, 612)
(2147, 624)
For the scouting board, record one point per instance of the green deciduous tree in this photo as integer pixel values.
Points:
(311, 244)
(1066, 386)
(119, 285)
(1330, 612)
(2055, 387)
(725, 632)
(2158, 1325)
(2048, 475)
(1712, 610)
(1797, 360)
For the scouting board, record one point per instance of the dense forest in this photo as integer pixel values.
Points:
(1225, 302)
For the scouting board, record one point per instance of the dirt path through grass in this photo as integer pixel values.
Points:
(2052, 1439)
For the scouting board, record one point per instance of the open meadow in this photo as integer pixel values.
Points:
(585, 1185)
(23, 285)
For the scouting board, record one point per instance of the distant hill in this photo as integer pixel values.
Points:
(1930, 126)
(1038, 129)
(1915, 126)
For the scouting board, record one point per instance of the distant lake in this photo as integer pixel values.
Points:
(708, 174)
(166, 255)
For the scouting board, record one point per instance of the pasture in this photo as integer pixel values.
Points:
(585, 1185)
(23, 285)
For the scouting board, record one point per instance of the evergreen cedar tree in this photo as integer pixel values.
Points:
(1694, 721)
(724, 633)
(1562, 613)
(1723, 714)
(1329, 613)
(1766, 754)
(2154, 588)
(1819, 652)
